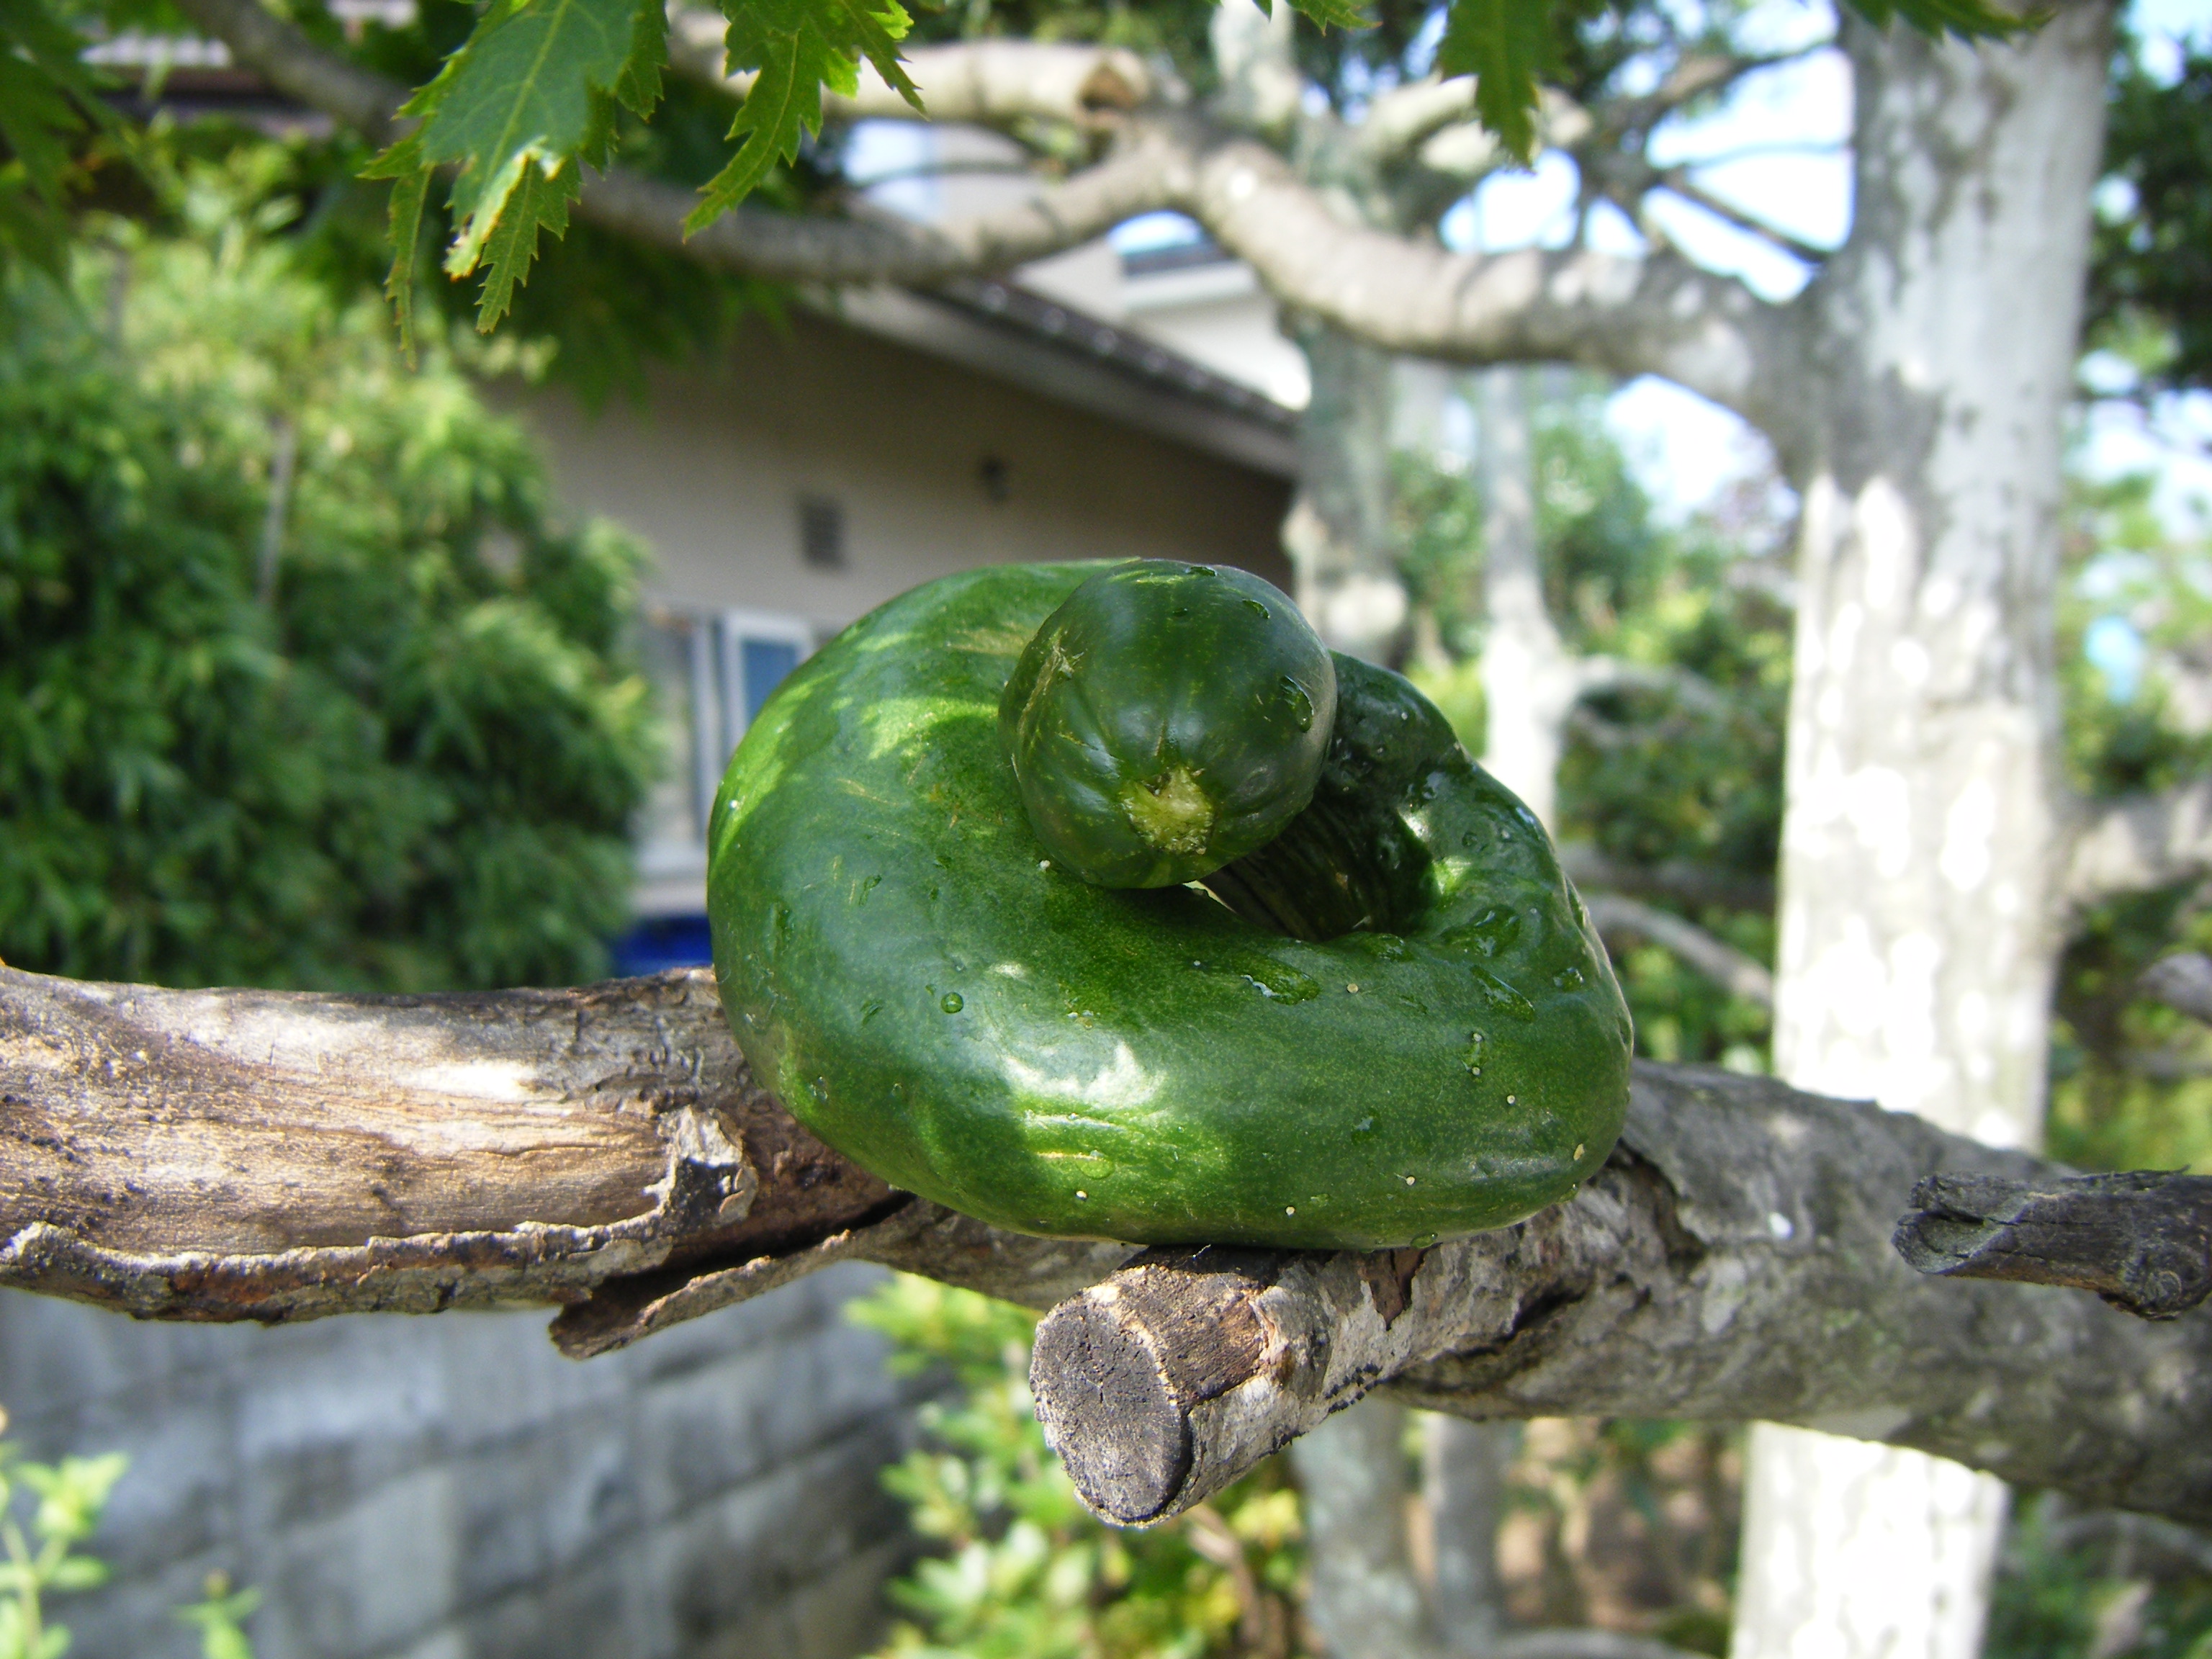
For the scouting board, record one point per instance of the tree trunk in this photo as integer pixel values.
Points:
(1338, 534)
(1921, 840)
(1529, 682)
(1464, 1469)
(1364, 1601)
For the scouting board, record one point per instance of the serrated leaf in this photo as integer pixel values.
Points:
(410, 188)
(48, 95)
(797, 47)
(540, 201)
(1505, 45)
(530, 96)
(1335, 13)
(1970, 20)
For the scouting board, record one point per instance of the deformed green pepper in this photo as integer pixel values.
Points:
(911, 973)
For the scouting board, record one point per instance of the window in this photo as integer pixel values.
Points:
(714, 672)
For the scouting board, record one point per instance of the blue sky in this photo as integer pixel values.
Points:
(1782, 136)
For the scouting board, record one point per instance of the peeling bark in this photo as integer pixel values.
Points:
(1731, 1260)
(272, 1156)
(1922, 842)
(2142, 1241)
(216, 1155)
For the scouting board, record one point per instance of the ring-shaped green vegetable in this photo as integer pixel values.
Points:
(902, 967)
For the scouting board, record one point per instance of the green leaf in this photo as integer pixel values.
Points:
(540, 200)
(798, 47)
(1970, 20)
(1335, 13)
(48, 95)
(517, 111)
(1505, 45)
(410, 186)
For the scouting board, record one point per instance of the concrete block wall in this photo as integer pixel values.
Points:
(451, 1488)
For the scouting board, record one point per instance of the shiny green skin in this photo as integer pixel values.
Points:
(902, 970)
(1157, 671)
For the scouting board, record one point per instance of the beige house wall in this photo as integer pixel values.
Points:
(929, 465)
(711, 470)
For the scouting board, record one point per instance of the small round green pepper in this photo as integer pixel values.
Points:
(915, 977)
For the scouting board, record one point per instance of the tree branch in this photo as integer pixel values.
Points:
(871, 247)
(1589, 866)
(2138, 843)
(253, 1154)
(1720, 962)
(1404, 119)
(234, 1155)
(989, 83)
(2142, 1241)
(1679, 181)
(2182, 981)
(1660, 315)
(1731, 1260)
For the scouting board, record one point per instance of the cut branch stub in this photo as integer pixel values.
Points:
(1728, 1262)
(2142, 1241)
(1172, 1378)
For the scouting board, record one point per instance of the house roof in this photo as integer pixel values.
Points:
(992, 327)
(1004, 331)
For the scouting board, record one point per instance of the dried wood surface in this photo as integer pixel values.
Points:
(1731, 1260)
(2142, 1241)
(248, 1155)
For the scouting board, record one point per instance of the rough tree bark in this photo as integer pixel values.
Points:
(259, 1155)
(1922, 838)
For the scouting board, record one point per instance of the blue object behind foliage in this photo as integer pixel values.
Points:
(664, 942)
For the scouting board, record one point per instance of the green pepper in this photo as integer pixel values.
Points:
(912, 974)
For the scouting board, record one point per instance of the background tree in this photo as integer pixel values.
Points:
(1920, 434)
(300, 681)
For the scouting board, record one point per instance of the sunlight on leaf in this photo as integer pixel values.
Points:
(798, 47)
(518, 111)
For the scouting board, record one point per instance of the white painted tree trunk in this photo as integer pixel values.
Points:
(1463, 1471)
(1338, 533)
(1921, 837)
(1529, 681)
(1364, 1601)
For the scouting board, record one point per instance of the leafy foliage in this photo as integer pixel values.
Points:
(517, 111)
(67, 1499)
(1027, 1572)
(1506, 45)
(2076, 1586)
(796, 48)
(49, 100)
(1649, 777)
(2150, 283)
(2132, 1079)
(373, 728)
